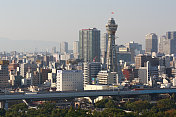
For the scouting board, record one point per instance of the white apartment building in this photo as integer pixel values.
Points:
(52, 78)
(107, 78)
(69, 80)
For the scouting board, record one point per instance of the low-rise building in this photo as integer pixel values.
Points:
(69, 80)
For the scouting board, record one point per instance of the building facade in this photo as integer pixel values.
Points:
(167, 43)
(89, 45)
(104, 45)
(4, 74)
(151, 43)
(69, 80)
(90, 72)
(76, 49)
(107, 78)
(63, 47)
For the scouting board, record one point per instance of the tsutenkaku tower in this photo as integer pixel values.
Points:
(111, 28)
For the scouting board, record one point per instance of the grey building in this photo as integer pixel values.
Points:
(134, 48)
(89, 45)
(167, 43)
(151, 43)
(104, 45)
(76, 49)
(90, 71)
(171, 35)
(123, 54)
(148, 73)
(63, 47)
(4, 74)
(107, 78)
(162, 41)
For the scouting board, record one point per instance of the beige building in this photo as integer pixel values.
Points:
(107, 78)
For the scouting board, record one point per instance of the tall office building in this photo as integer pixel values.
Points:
(54, 50)
(151, 43)
(4, 73)
(111, 28)
(171, 35)
(162, 41)
(104, 44)
(63, 47)
(167, 43)
(76, 49)
(89, 45)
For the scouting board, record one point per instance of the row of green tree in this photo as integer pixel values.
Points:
(107, 108)
(162, 108)
(50, 110)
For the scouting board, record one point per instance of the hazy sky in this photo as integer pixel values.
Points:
(61, 20)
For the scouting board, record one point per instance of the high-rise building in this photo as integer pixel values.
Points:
(89, 45)
(171, 35)
(76, 49)
(104, 44)
(103, 47)
(111, 28)
(54, 50)
(90, 72)
(161, 42)
(4, 73)
(63, 47)
(151, 43)
(167, 43)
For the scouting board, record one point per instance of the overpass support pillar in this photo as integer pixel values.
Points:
(26, 102)
(4, 104)
(93, 100)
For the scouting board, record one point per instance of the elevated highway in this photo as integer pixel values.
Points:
(75, 94)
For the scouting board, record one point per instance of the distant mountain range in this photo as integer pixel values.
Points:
(26, 45)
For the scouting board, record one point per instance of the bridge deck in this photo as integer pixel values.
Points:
(83, 94)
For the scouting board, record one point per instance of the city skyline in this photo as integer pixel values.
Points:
(51, 21)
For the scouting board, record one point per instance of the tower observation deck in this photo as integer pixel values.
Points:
(111, 28)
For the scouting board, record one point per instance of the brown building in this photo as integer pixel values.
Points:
(44, 74)
(13, 66)
(4, 73)
(36, 78)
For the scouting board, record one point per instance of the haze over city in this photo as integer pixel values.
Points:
(87, 58)
(51, 22)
